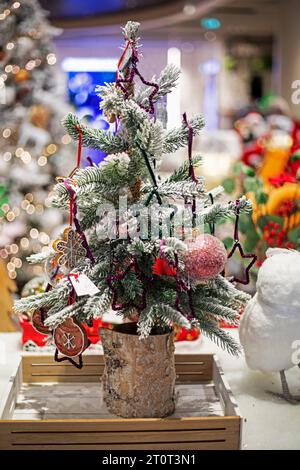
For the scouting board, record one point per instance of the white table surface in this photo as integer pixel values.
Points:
(270, 423)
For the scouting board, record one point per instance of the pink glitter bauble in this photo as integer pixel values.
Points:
(205, 257)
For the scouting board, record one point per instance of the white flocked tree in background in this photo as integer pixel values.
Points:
(33, 146)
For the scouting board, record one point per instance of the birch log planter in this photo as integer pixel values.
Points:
(139, 375)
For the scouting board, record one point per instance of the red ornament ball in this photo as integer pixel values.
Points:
(205, 257)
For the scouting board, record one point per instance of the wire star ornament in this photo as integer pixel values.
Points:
(237, 246)
(246, 278)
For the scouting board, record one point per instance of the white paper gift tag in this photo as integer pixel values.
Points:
(83, 285)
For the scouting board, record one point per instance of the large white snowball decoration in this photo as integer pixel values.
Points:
(270, 325)
(205, 257)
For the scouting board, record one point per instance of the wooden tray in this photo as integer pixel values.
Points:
(51, 405)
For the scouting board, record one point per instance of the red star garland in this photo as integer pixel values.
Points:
(182, 287)
(132, 72)
(252, 256)
(119, 277)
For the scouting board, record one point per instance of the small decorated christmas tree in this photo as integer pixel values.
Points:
(140, 245)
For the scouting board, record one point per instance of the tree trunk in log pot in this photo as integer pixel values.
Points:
(139, 374)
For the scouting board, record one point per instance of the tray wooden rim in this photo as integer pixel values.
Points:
(196, 359)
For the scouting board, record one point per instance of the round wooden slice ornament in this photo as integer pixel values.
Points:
(70, 338)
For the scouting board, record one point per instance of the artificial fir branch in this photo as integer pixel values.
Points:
(219, 336)
(69, 311)
(220, 211)
(46, 299)
(38, 258)
(160, 312)
(178, 137)
(170, 316)
(182, 173)
(211, 306)
(146, 322)
(131, 31)
(166, 81)
(226, 287)
(94, 138)
(182, 189)
(97, 305)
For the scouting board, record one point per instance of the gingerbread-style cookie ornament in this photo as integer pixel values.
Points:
(70, 338)
(70, 249)
(38, 318)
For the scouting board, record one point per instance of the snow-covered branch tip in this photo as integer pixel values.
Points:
(167, 80)
(93, 138)
(178, 137)
(131, 31)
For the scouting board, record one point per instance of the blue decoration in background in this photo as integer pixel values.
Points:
(81, 87)
(210, 23)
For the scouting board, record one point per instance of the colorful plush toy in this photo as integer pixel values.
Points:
(272, 183)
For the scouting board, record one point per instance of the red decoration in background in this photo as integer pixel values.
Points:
(93, 329)
(224, 324)
(182, 334)
(254, 154)
(279, 180)
(295, 134)
(29, 333)
(275, 236)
